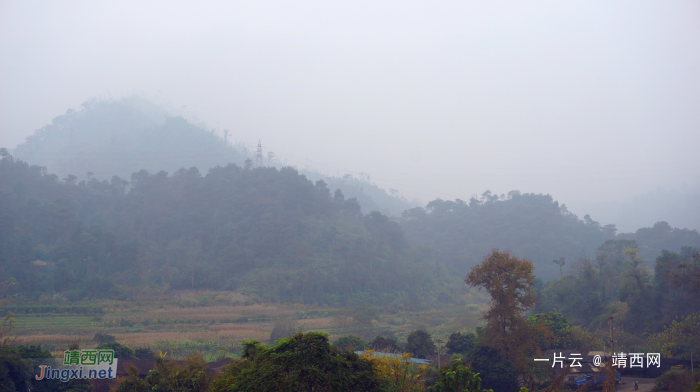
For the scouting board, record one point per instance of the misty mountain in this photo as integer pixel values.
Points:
(652, 241)
(108, 138)
(533, 226)
(370, 196)
(679, 207)
(132, 136)
(121, 137)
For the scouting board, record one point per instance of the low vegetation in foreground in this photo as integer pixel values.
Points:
(496, 355)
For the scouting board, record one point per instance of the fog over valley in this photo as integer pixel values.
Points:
(593, 103)
(373, 196)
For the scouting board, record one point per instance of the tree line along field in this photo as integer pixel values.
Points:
(182, 328)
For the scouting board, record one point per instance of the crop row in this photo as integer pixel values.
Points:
(126, 323)
(36, 309)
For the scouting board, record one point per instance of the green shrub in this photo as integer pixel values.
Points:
(457, 377)
(144, 353)
(496, 372)
(167, 376)
(419, 343)
(353, 343)
(120, 350)
(385, 344)
(676, 380)
(460, 343)
(300, 363)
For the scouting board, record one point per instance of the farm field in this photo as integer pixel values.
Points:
(183, 322)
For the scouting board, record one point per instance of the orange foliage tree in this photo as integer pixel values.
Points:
(509, 281)
(399, 373)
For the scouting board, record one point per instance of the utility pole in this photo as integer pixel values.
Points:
(226, 136)
(610, 381)
(439, 341)
(612, 341)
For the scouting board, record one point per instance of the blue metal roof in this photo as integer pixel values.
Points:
(399, 356)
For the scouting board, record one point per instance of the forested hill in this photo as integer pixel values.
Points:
(531, 225)
(121, 137)
(263, 231)
(652, 241)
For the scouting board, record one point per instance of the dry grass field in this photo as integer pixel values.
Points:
(205, 313)
(218, 327)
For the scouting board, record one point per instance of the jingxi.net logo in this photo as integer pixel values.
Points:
(85, 364)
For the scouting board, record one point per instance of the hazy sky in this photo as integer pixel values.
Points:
(590, 101)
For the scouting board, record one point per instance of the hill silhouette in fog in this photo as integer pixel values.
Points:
(121, 137)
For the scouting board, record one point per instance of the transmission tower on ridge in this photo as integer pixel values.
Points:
(259, 155)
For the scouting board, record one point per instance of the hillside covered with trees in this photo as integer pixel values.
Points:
(532, 226)
(273, 233)
(644, 301)
(261, 231)
(120, 137)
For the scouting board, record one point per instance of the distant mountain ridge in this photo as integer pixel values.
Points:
(108, 138)
(125, 136)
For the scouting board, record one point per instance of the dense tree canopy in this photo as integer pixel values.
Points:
(304, 362)
(496, 372)
(350, 342)
(420, 343)
(460, 343)
(457, 378)
(618, 282)
(169, 376)
(264, 231)
(677, 284)
(530, 225)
